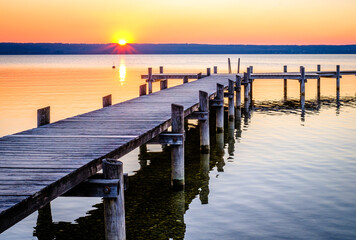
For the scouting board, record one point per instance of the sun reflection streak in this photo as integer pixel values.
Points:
(122, 71)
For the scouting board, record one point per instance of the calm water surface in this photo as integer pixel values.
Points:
(273, 175)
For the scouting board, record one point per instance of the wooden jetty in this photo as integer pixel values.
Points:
(43, 163)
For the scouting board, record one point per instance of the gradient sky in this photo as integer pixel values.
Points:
(179, 21)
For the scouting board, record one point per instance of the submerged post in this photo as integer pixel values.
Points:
(163, 84)
(238, 65)
(231, 100)
(43, 116)
(150, 80)
(318, 83)
(204, 124)
(161, 69)
(229, 65)
(208, 71)
(220, 109)
(302, 86)
(177, 151)
(337, 78)
(215, 69)
(285, 69)
(107, 101)
(143, 90)
(114, 208)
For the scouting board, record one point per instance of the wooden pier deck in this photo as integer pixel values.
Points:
(41, 164)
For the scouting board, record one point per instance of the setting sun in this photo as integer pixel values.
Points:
(122, 42)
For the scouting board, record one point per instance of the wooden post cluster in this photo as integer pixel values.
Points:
(220, 109)
(215, 69)
(208, 73)
(204, 124)
(114, 208)
(231, 96)
(163, 84)
(107, 100)
(143, 89)
(150, 80)
(229, 65)
(238, 65)
(285, 69)
(43, 116)
(302, 86)
(177, 151)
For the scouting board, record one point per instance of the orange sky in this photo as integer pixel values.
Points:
(179, 21)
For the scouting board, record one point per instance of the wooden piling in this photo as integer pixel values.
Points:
(285, 69)
(215, 69)
(246, 92)
(204, 124)
(177, 151)
(185, 79)
(220, 109)
(163, 84)
(150, 80)
(161, 69)
(208, 71)
(199, 76)
(302, 87)
(238, 91)
(229, 65)
(250, 82)
(107, 100)
(318, 83)
(43, 116)
(143, 89)
(337, 78)
(238, 65)
(114, 208)
(231, 100)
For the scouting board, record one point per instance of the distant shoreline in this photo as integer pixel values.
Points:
(111, 48)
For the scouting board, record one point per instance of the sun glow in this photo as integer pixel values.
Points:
(122, 42)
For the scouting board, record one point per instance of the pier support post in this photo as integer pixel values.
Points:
(150, 80)
(107, 101)
(220, 109)
(231, 100)
(177, 151)
(208, 73)
(204, 124)
(250, 80)
(143, 90)
(43, 116)
(302, 87)
(238, 91)
(337, 78)
(285, 69)
(238, 65)
(161, 69)
(163, 84)
(215, 69)
(185, 79)
(246, 92)
(318, 84)
(114, 208)
(229, 65)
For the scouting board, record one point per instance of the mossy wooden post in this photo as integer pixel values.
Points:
(238, 91)
(163, 84)
(238, 65)
(220, 109)
(185, 79)
(143, 89)
(150, 80)
(177, 151)
(231, 100)
(208, 72)
(285, 69)
(302, 86)
(215, 69)
(107, 101)
(204, 124)
(161, 69)
(44, 219)
(229, 65)
(337, 78)
(114, 208)
(246, 92)
(318, 82)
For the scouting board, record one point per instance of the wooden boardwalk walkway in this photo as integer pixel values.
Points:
(41, 164)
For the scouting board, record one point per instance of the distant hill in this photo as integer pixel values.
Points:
(61, 48)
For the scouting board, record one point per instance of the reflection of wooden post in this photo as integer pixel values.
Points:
(285, 83)
(142, 156)
(220, 109)
(337, 78)
(318, 84)
(177, 151)
(204, 124)
(231, 138)
(229, 65)
(161, 69)
(231, 100)
(43, 116)
(107, 101)
(215, 69)
(238, 65)
(150, 80)
(204, 171)
(208, 72)
(163, 84)
(302, 86)
(220, 151)
(143, 89)
(185, 79)
(114, 208)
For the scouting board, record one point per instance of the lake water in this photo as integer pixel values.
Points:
(276, 174)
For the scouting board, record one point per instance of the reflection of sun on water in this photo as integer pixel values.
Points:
(122, 71)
